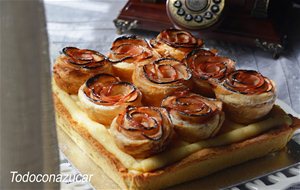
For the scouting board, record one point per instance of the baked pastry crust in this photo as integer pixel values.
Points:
(247, 95)
(200, 163)
(175, 43)
(208, 69)
(160, 78)
(194, 117)
(72, 69)
(142, 131)
(137, 170)
(127, 52)
(104, 96)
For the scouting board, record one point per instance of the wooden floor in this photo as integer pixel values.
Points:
(88, 24)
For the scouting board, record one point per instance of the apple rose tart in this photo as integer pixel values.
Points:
(142, 131)
(104, 96)
(75, 66)
(207, 70)
(160, 78)
(128, 51)
(175, 43)
(247, 95)
(194, 117)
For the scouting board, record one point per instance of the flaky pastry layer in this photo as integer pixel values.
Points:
(199, 163)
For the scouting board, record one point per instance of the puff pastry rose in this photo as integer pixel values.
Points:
(142, 131)
(160, 78)
(128, 51)
(104, 96)
(175, 43)
(247, 95)
(75, 66)
(194, 117)
(207, 69)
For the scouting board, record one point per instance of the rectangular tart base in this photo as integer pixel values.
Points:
(196, 165)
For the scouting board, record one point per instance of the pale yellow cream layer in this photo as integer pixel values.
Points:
(102, 135)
